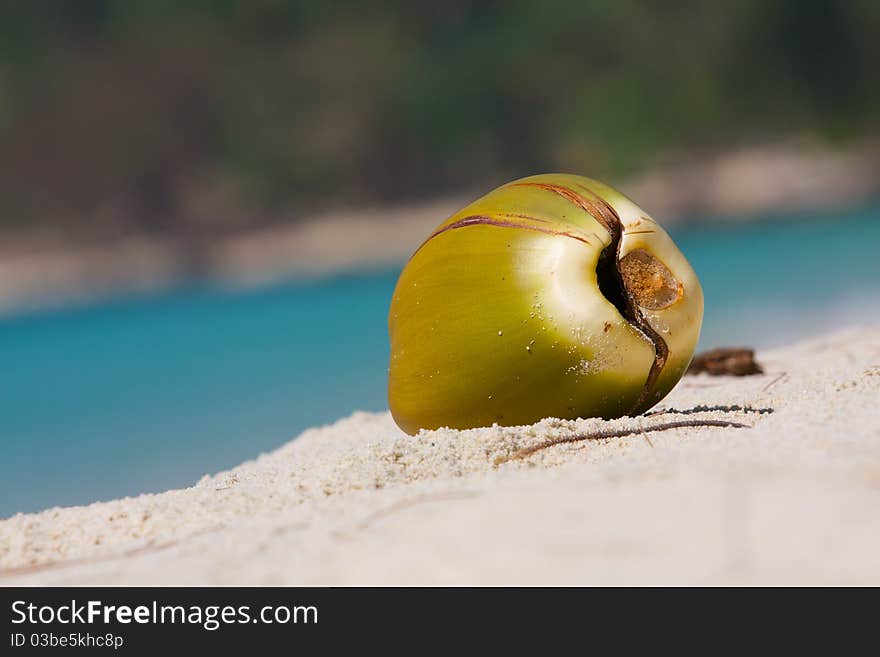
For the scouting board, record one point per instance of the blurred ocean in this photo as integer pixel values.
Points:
(147, 393)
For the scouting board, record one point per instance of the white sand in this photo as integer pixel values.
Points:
(793, 500)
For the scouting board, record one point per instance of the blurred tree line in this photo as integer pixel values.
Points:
(206, 115)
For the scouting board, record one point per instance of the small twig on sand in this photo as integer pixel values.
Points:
(620, 433)
(776, 380)
(731, 408)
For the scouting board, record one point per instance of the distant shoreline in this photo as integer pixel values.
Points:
(754, 181)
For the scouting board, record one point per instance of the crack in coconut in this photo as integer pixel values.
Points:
(630, 283)
(626, 282)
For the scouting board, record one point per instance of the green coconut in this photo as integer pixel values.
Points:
(551, 296)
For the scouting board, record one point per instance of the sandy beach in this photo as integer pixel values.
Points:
(791, 498)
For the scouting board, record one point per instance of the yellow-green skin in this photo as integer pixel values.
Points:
(498, 317)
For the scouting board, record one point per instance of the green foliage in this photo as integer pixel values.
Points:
(178, 114)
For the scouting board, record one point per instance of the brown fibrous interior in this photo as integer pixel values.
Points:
(648, 280)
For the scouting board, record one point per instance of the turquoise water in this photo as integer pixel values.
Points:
(147, 393)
